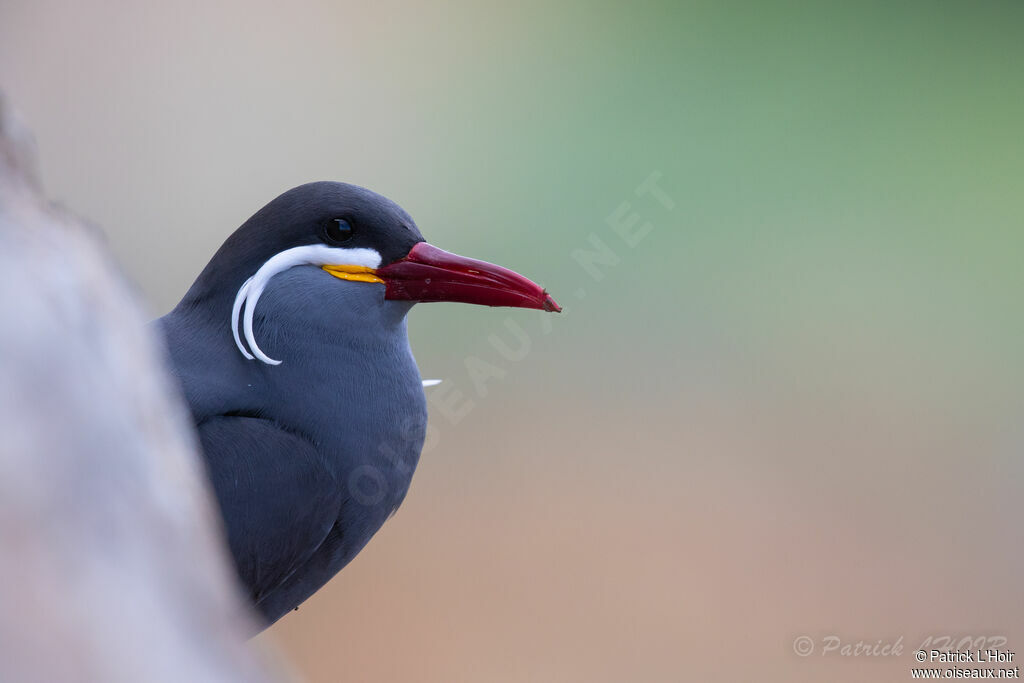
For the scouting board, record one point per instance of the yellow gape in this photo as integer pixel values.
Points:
(354, 273)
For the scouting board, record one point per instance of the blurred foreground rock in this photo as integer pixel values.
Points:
(110, 563)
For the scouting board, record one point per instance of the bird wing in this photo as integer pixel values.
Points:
(278, 500)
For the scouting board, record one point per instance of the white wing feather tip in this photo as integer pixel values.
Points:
(431, 382)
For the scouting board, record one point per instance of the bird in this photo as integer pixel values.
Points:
(292, 353)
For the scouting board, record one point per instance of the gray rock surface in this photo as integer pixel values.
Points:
(111, 567)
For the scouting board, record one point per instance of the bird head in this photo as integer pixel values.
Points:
(357, 236)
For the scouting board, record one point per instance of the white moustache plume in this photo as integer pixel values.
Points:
(250, 292)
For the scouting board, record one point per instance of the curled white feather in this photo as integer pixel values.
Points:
(235, 310)
(250, 292)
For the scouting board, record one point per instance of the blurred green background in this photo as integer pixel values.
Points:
(793, 408)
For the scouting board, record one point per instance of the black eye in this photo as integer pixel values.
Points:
(338, 230)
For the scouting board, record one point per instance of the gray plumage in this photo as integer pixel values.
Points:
(308, 458)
